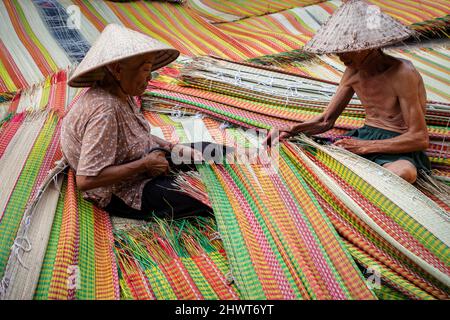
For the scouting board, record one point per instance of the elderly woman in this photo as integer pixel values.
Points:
(119, 164)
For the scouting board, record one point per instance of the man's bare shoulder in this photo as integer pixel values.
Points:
(349, 77)
(405, 69)
(404, 76)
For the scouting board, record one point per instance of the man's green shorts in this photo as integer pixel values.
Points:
(418, 158)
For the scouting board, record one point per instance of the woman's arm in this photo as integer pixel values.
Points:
(154, 164)
(163, 143)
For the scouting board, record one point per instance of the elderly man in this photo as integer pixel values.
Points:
(119, 165)
(390, 89)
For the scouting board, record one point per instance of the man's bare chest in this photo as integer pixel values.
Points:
(376, 92)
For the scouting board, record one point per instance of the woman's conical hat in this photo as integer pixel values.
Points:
(356, 26)
(116, 43)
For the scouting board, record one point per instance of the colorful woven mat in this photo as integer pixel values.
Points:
(217, 11)
(387, 271)
(378, 223)
(79, 262)
(431, 60)
(181, 259)
(279, 247)
(310, 267)
(29, 149)
(252, 114)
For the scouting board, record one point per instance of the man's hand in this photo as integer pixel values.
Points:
(356, 146)
(275, 135)
(156, 163)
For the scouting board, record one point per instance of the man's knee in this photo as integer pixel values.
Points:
(409, 174)
(403, 169)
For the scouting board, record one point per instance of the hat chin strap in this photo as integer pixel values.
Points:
(117, 81)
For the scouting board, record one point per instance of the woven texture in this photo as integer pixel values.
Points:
(38, 39)
(79, 262)
(128, 43)
(261, 220)
(217, 11)
(173, 260)
(379, 224)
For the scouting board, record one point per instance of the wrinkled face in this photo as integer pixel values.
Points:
(134, 73)
(354, 59)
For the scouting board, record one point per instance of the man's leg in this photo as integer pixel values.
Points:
(404, 169)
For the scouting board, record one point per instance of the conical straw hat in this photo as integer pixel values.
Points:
(356, 26)
(116, 43)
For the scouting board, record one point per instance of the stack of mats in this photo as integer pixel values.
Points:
(431, 61)
(385, 222)
(253, 96)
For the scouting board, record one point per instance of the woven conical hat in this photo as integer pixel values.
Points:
(356, 26)
(116, 43)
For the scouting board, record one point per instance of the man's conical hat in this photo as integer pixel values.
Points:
(116, 43)
(356, 26)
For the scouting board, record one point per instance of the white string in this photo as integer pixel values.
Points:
(22, 243)
(4, 284)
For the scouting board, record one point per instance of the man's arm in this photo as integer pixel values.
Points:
(326, 120)
(407, 88)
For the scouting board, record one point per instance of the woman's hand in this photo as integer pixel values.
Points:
(156, 163)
